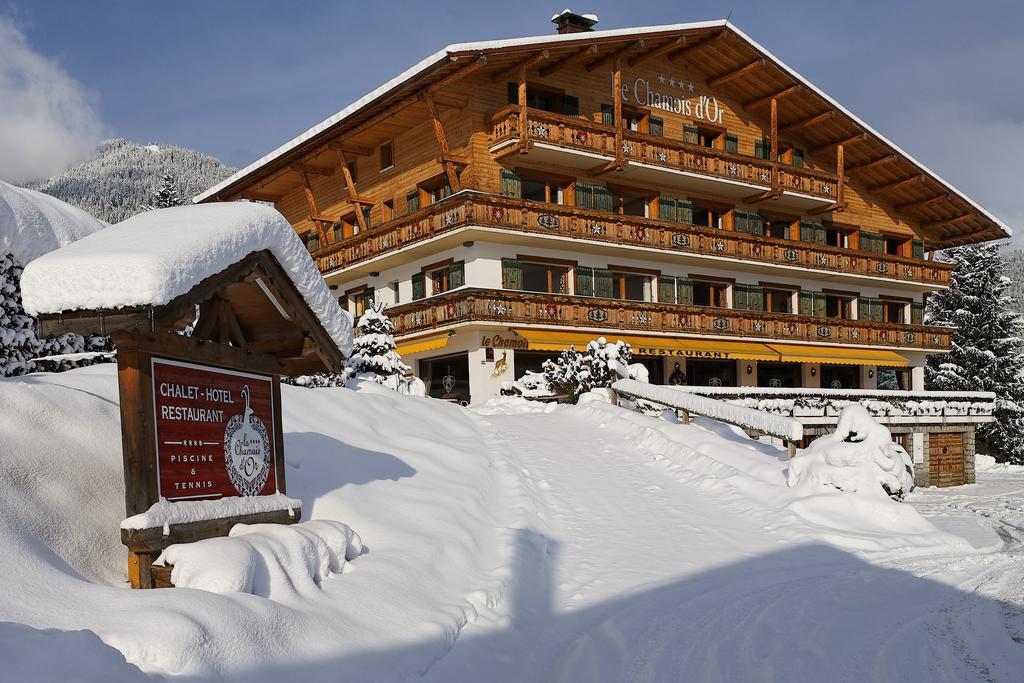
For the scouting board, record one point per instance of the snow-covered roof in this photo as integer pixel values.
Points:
(33, 223)
(483, 46)
(156, 256)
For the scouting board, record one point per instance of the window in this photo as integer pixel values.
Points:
(710, 293)
(871, 241)
(675, 209)
(351, 166)
(778, 299)
(748, 297)
(387, 155)
(812, 303)
(534, 276)
(793, 156)
(710, 138)
(597, 197)
(780, 228)
(732, 143)
(435, 189)
(545, 99)
(412, 201)
(691, 134)
(312, 240)
(362, 298)
(395, 297)
(813, 231)
(837, 236)
(594, 282)
(917, 249)
(890, 379)
(639, 120)
(869, 309)
(348, 225)
(631, 286)
(707, 215)
(749, 222)
(388, 210)
(419, 288)
(631, 205)
(763, 149)
(675, 290)
(896, 246)
(534, 187)
(840, 377)
(839, 306)
(445, 276)
(894, 311)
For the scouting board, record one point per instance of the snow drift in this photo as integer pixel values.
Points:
(33, 223)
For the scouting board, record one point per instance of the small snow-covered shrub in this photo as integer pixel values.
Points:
(574, 373)
(530, 385)
(859, 457)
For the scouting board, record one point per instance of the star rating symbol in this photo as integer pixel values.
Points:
(691, 87)
(661, 79)
(672, 81)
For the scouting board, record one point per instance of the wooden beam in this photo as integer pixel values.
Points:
(845, 142)
(314, 213)
(568, 60)
(524, 138)
(840, 174)
(670, 46)
(875, 163)
(946, 222)
(889, 187)
(773, 133)
(616, 54)
(778, 95)
(911, 206)
(351, 150)
(313, 170)
(692, 47)
(527, 63)
(724, 78)
(350, 185)
(617, 108)
(442, 140)
(807, 122)
(259, 196)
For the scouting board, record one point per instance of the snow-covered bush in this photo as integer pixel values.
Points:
(530, 385)
(860, 456)
(375, 359)
(574, 373)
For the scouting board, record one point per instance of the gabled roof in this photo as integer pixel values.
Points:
(949, 215)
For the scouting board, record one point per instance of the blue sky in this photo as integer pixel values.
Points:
(236, 79)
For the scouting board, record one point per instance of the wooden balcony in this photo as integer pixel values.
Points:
(524, 308)
(522, 216)
(688, 165)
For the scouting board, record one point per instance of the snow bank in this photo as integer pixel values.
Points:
(768, 423)
(859, 457)
(986, 463)
(163, 513)
(155, 256)
(33, 223)
(264, 559)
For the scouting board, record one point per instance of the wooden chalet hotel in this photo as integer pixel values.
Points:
(677, 187)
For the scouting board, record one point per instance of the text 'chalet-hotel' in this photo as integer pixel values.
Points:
(676, 187)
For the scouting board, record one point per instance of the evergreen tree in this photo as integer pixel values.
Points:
(574, 373)
(168, 194)
(988, 346)
(18, 341)
(373, 350)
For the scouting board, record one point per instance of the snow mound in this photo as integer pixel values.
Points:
(33, 223)
(859, 457)
(162, 512)
(265, 559)
(155, 256)
(986, 463)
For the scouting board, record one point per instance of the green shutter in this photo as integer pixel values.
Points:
(871, 241)
(656, 126)
(513, 93)
(570, 105)
(368, 299)
(456, 274)
(756, 223)
(813, 231)
(366, 216)
(602, 198)
(584, 195)
(511, 184)
(603, 283)
(667, 208)
(819, 304)
(412, 201)
(741, 297)
(684, 291)
(739, 220)
(806, 303)
(667, 289)
(511, 274)
(419, 289)
(869, 309)
(762, 149)
(798, 157)
(584, 281)
(755, 298)
(732, 143)
(691, 135)
(684, 211)
(607, 114)
(917, 249)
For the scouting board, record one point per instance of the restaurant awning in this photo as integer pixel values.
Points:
(799, 353)
(423, 344)
(554, 340)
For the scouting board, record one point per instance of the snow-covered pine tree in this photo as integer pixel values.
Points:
(988, 346)
(168, 195)
(574, 373)
(373, 350)
(569, 374)
(18, 341)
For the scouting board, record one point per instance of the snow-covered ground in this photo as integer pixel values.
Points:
(517, 542)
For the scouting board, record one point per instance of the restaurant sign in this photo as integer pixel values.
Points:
(214, 431)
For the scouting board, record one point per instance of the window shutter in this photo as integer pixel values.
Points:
(917, 313)
(798, 157)
(813, 231)
(871, 241)
(602, 198)
(667, 289)
(456, 274)
(513, 93)
(368, 298)
(684, 211)
(732, 143)
(666, 208)
(806, 232)
(739, 220)
(755, 298)
(584, 195)
(740, 297)
(366, 217)
(819, 304)
(607, 114)
(570, 105)
(917, 249)
(762, 149)
(690, 134)
(603, 283)
(418, 287)
(412, 201)
(820, 234)
(584, 281)
(806, 303)
(511, 184)
(511, 274)
(755, 223)
(656, 126)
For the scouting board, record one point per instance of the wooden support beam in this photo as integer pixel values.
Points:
(724, 78)
(778, 95)
(527, 63)
(259, 196)
(840, 174)
(889, 187)
(350, 185)
(845, 142)
(774, 142)
(668, 47)
(578, 56)
(442, 141)
(946, 222)
(875, 163)
(924, 203)
(807, 122)
(693, 47)
(524, 139)
(312, 170)
(615, 55)
(351, 150)
(314, 213)
(617, 108)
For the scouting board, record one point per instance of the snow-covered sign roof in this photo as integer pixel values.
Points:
(445, 58)
(33, 223)
(153, 257)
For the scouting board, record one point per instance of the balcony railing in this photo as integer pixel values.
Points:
(525, 308)
(584, 135)
(517, 215)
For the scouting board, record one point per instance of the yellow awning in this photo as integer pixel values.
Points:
(554, 340)
(422, 344)
(798, 353)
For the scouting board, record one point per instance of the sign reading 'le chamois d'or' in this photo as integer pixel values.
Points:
(214, 431)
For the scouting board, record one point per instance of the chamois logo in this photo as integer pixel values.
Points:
(247, 450)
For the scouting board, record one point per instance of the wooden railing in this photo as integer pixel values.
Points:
(473, 208)
(526, 308)
(585, 135)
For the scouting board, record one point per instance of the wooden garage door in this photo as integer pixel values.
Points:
(946, 459)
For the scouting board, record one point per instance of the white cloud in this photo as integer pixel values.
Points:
(48, 120)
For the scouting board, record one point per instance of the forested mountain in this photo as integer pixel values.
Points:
(121, 179)
(1014, 264)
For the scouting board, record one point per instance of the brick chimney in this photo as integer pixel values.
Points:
(569, 22)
